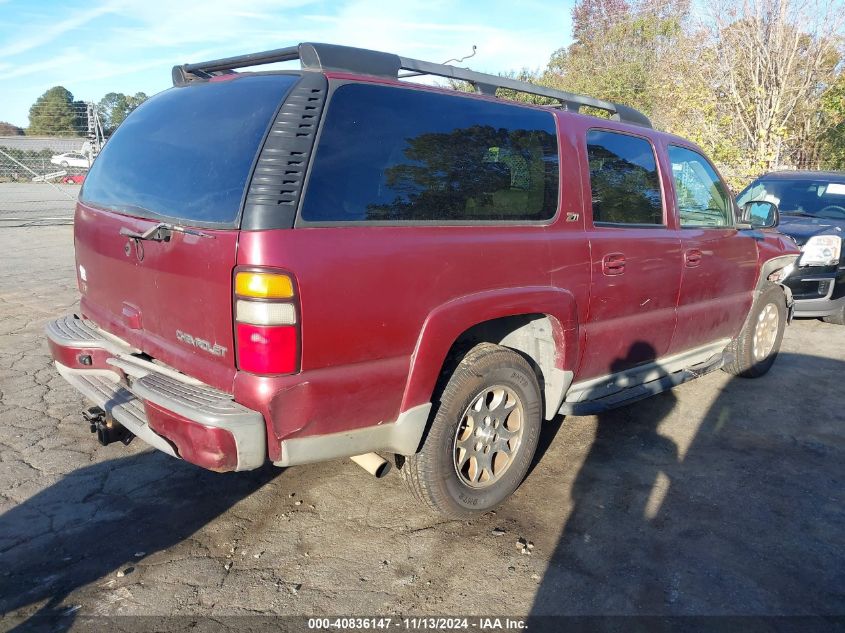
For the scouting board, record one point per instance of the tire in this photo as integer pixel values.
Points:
(752, 353)
(501, 388)
(64, 164)
(837, 318)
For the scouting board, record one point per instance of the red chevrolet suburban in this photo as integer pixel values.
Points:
(301, 265)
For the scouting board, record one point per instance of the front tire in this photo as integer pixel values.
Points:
(483, 435)
(753, 352)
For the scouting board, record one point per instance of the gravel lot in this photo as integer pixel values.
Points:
(723, 497)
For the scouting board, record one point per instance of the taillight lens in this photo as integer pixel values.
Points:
(267, 350)
(263, 285)
(266, 323)
(265, 313)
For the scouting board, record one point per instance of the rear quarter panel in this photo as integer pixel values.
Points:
(365, 294)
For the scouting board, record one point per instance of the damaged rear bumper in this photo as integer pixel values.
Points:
(169, 411)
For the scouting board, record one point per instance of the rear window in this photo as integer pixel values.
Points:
(186, 153)
(403, 155)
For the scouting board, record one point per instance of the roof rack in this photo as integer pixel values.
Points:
(333, 57)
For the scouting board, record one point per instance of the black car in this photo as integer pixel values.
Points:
(812, 212)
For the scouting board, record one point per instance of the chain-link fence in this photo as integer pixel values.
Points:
(40, 175)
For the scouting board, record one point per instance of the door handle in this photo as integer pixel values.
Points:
(692, 257)
(613, 264)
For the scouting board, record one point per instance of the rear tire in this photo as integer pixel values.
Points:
(752, 353)
(837, 318)
(483, 435)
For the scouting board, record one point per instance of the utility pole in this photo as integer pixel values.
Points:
(96, 138)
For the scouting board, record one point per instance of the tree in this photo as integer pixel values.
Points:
(831, 141)
(7, 129)
(592, 18)
(775, 59)
(114, 107)
(757, 83)
(620, 50)
(55, 113)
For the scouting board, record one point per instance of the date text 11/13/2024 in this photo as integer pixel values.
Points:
(416, 624)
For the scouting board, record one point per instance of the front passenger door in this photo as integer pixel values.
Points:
(720, 262)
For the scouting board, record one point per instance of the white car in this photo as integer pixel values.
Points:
(71, 159)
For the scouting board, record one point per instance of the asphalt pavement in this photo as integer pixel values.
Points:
(722, 497)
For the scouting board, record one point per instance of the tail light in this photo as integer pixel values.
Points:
(266, 322)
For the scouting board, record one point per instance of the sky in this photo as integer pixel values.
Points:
(101, 46)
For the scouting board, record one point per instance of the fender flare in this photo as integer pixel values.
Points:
(767, 268)
(447, 322)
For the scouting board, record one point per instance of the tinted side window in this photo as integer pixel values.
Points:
(396, 154)
(623, 179)
(700, 195)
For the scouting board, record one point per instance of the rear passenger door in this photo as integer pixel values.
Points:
(635, 256)
(720, 262)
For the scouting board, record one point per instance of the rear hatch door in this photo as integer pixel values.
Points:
(180, 162)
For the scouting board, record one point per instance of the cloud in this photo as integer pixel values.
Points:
(408, 28)
(40, 67)
(130, 45)
(39, 36)
(432, 29)
(184, 23)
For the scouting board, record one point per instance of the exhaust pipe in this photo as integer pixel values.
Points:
(374, 464)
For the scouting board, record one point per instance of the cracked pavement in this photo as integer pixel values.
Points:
(721, 497)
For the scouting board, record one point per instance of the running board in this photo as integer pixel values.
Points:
(641, 391)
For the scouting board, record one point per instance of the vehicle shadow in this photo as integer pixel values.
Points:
(101, 519)
(740, 515)
(550, 428)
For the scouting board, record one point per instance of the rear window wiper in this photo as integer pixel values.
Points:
(161, 232)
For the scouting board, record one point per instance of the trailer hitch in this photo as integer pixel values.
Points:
(108, 430)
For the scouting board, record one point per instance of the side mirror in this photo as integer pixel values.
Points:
(761, 214)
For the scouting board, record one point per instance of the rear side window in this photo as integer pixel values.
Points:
(623, 178)
(403, 155)
(186, 153)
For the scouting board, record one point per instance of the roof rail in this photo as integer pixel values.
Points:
(367, 62)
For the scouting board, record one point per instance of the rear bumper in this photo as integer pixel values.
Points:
(169, 411)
